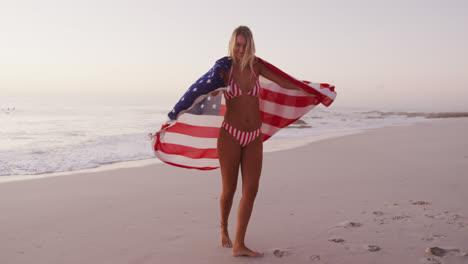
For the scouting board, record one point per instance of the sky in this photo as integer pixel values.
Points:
(407, 55)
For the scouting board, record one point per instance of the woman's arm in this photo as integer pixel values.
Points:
(265, 72)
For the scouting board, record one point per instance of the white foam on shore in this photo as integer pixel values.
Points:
(106, 167)
(38, 140)
(271, 145)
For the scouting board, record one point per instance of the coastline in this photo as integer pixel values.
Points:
(401, 188)
(272, 145)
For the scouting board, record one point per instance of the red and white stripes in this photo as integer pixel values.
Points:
(243, 137)
(235, 91)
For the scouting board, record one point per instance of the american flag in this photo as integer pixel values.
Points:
(189, 138)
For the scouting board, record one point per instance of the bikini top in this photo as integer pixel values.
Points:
(235, 91)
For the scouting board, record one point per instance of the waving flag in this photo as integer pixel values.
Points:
(189, 138)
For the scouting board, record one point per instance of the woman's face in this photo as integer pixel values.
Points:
(239, 48)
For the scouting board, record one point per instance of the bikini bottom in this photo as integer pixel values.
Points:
(243, 137)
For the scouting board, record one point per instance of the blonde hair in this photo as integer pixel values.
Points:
(249, 55)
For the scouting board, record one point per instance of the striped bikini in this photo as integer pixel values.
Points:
(235, 91)
(244, 137)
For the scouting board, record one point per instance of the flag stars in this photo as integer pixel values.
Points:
(213, 106)
(195, 89)
(200, 81)
(209, 98)
(182, 99)
(208, 81)
(202, 106)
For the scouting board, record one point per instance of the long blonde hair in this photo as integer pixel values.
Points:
(249, 55)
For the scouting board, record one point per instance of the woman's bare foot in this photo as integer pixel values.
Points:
(244, 251)
(225, 240)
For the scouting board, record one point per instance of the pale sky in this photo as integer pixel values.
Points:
(408, 54)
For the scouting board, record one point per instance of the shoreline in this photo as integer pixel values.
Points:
(271, 145)
(83, 149)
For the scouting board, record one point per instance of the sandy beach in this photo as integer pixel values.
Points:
(381, 196)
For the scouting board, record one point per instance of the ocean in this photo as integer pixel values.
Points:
(41, 138)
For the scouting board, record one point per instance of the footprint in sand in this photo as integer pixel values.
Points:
(314, 258)
(440, 252)
(344, 225)
(381, 221)
(433, 260)
(385, 220)
(280, 253)
(336, 239)
(378, 213)
(419, 202)
(400, 217)
(350, 224)
(371, 248)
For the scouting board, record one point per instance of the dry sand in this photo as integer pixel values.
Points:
(382, 196)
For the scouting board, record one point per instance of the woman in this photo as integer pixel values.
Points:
(240, 139)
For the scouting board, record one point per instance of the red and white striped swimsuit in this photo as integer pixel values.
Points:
(235, 91)
(244, 137)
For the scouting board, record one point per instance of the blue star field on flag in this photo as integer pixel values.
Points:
(208, 106)
(208, 83)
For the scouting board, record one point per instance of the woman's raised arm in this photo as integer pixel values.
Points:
(265, 72)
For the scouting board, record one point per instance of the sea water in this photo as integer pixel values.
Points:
(40, 138)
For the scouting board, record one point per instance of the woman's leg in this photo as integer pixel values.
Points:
(251, 165)
(229, 152)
